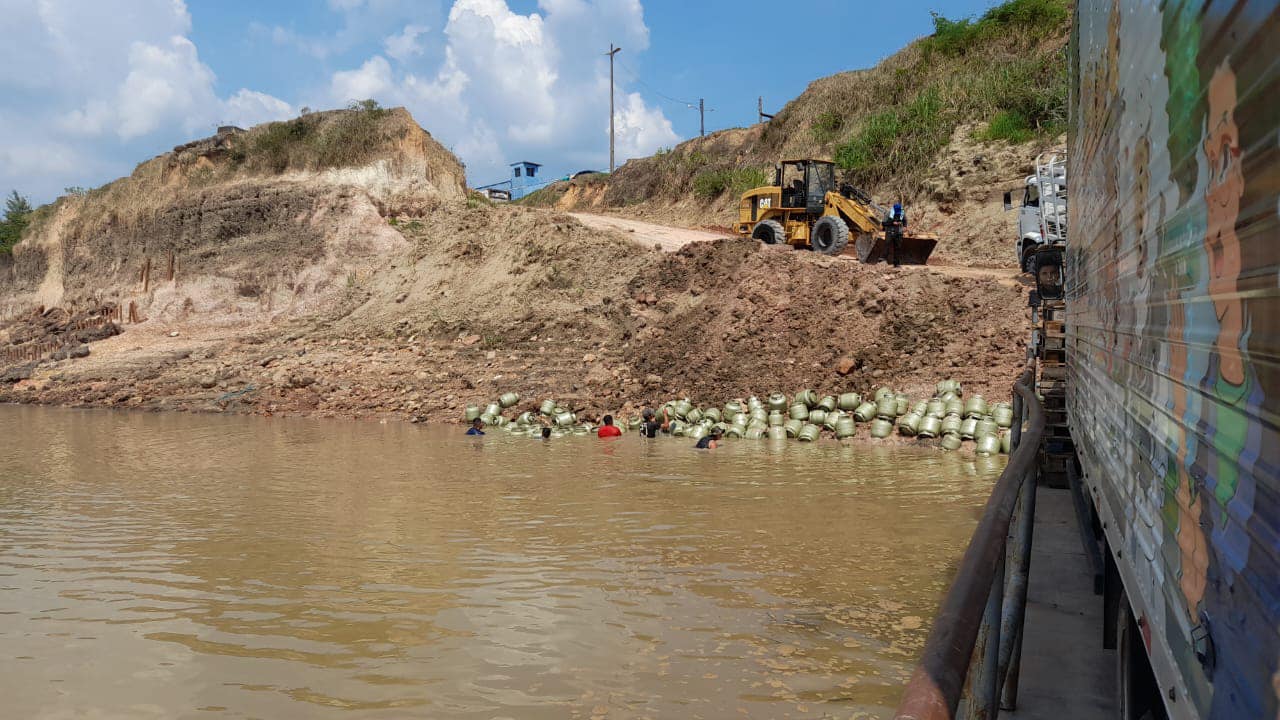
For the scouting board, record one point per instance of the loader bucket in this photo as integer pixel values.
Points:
(916, 249)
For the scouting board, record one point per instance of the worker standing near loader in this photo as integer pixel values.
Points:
(894, 223)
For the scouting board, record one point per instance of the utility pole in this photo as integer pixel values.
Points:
(612, 51)
(761, 115)
(702, 119)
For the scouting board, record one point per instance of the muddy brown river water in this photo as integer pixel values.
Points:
(178, 566)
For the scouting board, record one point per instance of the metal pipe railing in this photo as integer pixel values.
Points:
(988, 598)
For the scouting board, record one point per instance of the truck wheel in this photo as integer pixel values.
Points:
(1139, 694)
(1029, 259)
(829, 235)
(769, 232)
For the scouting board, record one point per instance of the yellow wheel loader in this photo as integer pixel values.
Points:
(804, 208)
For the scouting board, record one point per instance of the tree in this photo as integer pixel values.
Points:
(16, 207)
(17, 213)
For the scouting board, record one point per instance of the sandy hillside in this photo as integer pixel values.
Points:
(307, 279)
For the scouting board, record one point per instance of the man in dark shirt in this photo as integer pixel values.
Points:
(475, 427)
(894, 222)
(650, 426)
(708, 441)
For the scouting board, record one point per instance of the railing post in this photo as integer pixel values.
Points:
(982, 699)
(1019, 578)
(1015, 430)
(960, 666)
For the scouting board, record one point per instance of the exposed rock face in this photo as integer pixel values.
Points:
(241, 223)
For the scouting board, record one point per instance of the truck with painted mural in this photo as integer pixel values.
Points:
(1173, 337)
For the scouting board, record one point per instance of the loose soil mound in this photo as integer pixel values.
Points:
(483, 300)
(733, 318)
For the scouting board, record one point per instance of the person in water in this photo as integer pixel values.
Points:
(476, 427)
(546, 433)
(608, 429)
(651, 425)
(708, 441)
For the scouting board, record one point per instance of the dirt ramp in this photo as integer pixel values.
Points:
(731, 319)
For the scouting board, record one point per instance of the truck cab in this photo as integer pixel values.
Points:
(1029, 236)
(1042, 213)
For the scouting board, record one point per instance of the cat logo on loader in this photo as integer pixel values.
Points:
(804, 208)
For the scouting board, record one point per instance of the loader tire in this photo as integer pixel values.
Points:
(769, 232)
(829, 235)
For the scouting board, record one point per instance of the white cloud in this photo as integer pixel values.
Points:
(93, 87)
(639, 128)
(373, 79)
(513, 86)
(405, 44)
(165, 83)
(249, 107)
(101, 86)
(362, 22)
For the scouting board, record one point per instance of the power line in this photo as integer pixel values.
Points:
(700, 106)
(636, 77)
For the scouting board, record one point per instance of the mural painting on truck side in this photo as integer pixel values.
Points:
(1174, 324)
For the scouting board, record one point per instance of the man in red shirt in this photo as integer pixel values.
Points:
(608, 429)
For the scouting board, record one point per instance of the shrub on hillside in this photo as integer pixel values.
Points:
(17, 214)
(958, 37)
(897, 139)
(711, 184)
(1010, 126)
(313, 140)
(827, 126)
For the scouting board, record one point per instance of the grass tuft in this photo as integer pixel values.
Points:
(827, 126)
(711, 184)
(1010, 126)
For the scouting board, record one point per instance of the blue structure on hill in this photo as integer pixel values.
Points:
(523, 178)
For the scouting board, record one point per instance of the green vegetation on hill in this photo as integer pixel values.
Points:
(17, 214)
(959, 37)
(1004, 73)
(991, 69)
(710, 184)
(316, 140)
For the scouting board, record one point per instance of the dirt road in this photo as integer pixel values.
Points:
(671, 239)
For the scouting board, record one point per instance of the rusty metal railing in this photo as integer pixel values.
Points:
(975, 647)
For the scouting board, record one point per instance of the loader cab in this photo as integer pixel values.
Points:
(805, 183)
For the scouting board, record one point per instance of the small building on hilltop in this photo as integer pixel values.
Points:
(522, 178)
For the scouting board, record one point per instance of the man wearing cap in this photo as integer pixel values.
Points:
(894, 222)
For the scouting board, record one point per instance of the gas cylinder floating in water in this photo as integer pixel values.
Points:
(881, 428)
(988, 445)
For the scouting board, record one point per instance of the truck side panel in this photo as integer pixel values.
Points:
(1173, 322)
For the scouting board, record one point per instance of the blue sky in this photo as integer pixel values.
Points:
(92, 87)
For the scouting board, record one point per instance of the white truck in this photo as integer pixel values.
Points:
(1042, 216)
